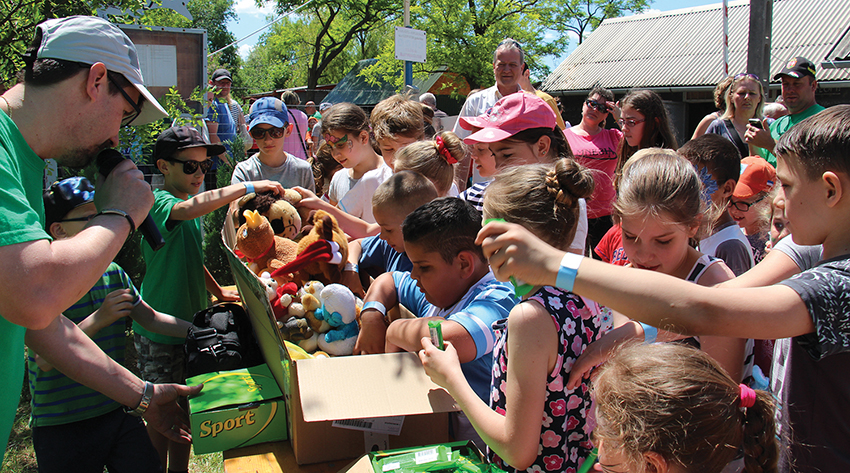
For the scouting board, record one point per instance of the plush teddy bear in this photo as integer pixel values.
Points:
(261, 248)
(339, 309)
(322, 253)
(279, 210)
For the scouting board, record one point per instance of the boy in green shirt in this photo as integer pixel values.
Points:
(176, 281)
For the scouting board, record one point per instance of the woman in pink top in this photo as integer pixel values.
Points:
(595, 147)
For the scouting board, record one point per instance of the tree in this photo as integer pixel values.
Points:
(580, 17)
(18, 19)
(334, 26)
(462, 35)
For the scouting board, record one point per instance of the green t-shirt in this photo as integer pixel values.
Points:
(782, 125)
(57, 399)
(174, 280)
(21, 220)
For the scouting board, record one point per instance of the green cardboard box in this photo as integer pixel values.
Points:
(459, 457)
(236, 409)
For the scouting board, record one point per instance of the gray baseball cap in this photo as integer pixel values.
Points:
(89, 39)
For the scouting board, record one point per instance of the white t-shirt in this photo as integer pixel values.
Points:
(358, 200)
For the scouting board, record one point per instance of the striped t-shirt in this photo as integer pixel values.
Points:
(57, 399)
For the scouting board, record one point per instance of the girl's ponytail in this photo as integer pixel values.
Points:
(761, 451)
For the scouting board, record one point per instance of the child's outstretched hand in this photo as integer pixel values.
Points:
(442, 366)
(264, 186)
(514, 251)
(310, 200)
(228, 295)
(116, 304)
(373, 334)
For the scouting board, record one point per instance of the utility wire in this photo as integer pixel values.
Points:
(294, 10)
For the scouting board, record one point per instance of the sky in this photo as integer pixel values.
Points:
(252, 18)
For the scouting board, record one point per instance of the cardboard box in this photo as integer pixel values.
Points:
(468, 460)
(236, 409)
(342, 407)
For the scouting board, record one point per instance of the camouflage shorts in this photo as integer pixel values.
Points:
(160, 363)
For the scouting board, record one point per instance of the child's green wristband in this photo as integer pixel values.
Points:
(567, 273)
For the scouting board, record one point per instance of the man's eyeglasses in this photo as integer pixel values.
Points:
(137, 107)
(601, 107)
(630, 122)
(744, 206)
(748, 76)
(74, 189)
(191, 167)
(273, 132)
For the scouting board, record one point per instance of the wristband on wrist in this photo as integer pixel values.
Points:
(120, 213)
(351, 267)
(249, 188)
(568, 270)
(650, 333)
(378, 306)
(147, 395)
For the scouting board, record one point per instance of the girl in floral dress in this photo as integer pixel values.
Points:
(534, 422)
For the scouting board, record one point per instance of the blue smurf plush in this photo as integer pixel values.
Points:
(339, 310)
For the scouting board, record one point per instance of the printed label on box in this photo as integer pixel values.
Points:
(382, 425)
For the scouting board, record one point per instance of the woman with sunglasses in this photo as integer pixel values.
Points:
(744, 100)
(595, 147)
(269, 126)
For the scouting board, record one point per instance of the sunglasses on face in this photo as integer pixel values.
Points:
(273, 132)
(630, 122)
(601, 107)
(744, 206)
(191, 167)
(748, 76)
(79, 219)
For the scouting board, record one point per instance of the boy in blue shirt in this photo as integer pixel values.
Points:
(394, 200)
(450, 282)
(73, 424)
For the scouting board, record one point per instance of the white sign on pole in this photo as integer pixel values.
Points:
(410, 44)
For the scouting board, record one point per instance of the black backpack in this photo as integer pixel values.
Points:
(221, 339)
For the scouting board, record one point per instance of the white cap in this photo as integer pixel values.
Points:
(90, 39)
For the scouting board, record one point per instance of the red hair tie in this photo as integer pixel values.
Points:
(748, 396)
(441, 148)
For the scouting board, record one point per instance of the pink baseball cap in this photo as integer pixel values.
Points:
(757, 176)
(509, 116)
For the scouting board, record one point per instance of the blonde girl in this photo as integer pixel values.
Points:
(434, 159)
(533, 422)
(659, 211)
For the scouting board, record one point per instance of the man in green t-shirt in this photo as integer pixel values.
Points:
(798, 92)
(80, 82)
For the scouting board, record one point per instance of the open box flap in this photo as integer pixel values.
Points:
(356, 387)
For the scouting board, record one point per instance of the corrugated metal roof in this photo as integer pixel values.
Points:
(682, 48)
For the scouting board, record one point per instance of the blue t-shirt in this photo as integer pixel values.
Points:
(486, 302)
(219, 112)
(378, 257)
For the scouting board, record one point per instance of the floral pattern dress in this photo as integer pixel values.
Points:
(565, 435)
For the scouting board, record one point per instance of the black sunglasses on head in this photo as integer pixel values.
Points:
(191, 167)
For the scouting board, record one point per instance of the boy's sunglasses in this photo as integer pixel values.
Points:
(601, 107)
(274, 132)
(191, 167)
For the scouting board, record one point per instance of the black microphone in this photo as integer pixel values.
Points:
(106, 162)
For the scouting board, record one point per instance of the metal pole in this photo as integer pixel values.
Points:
(758, 56)
(408, 66)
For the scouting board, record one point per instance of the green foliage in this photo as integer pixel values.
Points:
(18, 19)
